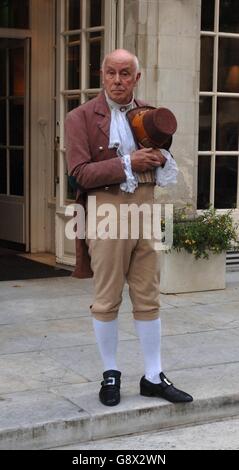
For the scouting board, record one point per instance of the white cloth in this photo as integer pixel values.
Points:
(107, 339)
(168, 174)
(149, 333)
(131, 182)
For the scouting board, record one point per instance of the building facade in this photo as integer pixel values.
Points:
(50, 56)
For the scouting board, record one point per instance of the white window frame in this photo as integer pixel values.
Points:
(113, 37)
(213, 153)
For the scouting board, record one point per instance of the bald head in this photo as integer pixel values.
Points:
(121, 55)
(120, 74)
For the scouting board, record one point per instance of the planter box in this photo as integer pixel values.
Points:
(181, 272)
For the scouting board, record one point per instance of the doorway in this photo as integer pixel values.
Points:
(14, 143)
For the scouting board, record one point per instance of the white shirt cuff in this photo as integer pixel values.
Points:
(131, 182)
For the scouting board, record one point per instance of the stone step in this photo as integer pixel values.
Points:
(72, 413)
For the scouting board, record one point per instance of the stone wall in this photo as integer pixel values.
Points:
(165, 35)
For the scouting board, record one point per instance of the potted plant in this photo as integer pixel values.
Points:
(197, 260)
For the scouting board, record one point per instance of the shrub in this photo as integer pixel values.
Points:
(210, 232)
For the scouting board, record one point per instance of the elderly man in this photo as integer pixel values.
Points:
(106, 163)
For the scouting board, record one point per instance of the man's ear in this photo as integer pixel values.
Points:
(138, 77)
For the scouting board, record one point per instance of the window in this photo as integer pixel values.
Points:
(84, 49)
(86, 30)
(83, 36)
(14, 14)
(218, 160)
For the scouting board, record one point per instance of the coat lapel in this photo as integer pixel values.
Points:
(104, 125)
(103, 111)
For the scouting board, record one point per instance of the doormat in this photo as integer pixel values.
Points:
(16, 268)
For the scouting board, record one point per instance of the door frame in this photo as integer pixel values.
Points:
(23, 35)
(41, 215)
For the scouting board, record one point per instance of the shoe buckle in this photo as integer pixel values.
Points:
(167, 381)
(110, 381)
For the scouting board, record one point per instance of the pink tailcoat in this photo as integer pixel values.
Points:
(90, 160)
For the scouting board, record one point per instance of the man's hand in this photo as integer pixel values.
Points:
(146, 159)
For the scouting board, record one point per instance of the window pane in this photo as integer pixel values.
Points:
(16, 172)
(95, 59)
(228, 65)
(226, 182)
(74, 15)
(3, 136)
(3, 91)
(3, 172)
(90, 96)
(17, 85)
(229, 16)
(71, 192)
(227, 123)
(73, 68)
(204, 177)
(206, 64)
(72, 103)
(207, 15)
(205, 122)
(73, 40)
(16, 121)
(95, 13)
(14, 13)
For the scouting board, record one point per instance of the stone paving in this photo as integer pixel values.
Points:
(50, 368)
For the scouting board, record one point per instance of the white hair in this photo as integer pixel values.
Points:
(134, 58)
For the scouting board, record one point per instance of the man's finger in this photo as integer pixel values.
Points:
(155, 163)
(155, 158)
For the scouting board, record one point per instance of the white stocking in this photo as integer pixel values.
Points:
(149, 333)
(106, 333)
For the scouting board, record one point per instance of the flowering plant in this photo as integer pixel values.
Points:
(208, 232)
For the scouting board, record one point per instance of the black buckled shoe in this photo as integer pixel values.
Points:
(110, 388)
(164, 389)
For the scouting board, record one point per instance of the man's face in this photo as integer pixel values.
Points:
(119, 79)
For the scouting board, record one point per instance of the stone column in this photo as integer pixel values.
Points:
(165, 35)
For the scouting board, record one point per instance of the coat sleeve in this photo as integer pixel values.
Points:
(88, 174)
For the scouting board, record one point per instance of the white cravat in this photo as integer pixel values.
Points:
(122, 138)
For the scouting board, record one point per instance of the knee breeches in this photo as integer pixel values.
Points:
(115, 261)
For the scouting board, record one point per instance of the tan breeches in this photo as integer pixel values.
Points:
(114, 261)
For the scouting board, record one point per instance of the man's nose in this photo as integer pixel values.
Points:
(117, 78)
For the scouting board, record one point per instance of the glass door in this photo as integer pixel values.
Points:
(14, 102)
